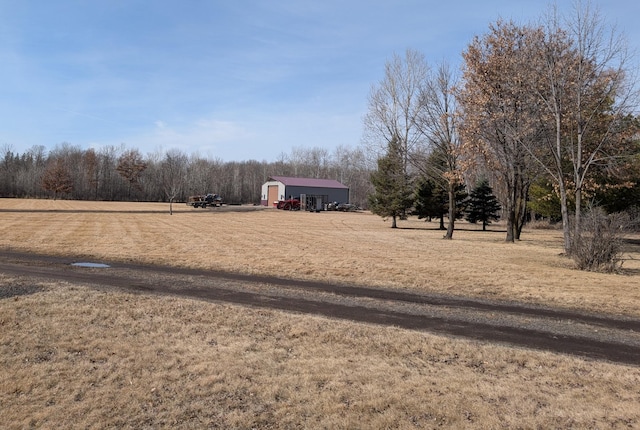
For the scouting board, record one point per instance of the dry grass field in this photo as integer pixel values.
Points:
(75, 357)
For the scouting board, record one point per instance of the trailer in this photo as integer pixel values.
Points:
(203, 201)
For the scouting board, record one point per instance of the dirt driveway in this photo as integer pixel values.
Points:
(599, 337)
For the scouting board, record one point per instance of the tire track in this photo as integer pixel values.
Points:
(599, 337)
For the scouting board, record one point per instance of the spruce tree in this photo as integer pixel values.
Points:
(482, 205)
(392, 196)
(432, 201)
(428, 203)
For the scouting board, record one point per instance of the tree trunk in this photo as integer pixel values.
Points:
(393, 222)
(577, 227)
(511, 234)
(511, 215)
(452, 210)
(510, 176)
(564, 210)
(520, 207)
(578, 177)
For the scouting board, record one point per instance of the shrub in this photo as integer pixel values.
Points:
(634, 217)
(599, 246)
(542, 224)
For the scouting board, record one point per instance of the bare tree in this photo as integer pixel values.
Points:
(151, 182)
(174, 174)
(108, 160)
(308, 162)
(92, 171)
(8, 171)
(438, 122)
(198, 176)
(585, 87)
(33, 170)
(351, 167)
(395, 105)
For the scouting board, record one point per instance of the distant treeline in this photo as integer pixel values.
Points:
(124, 174)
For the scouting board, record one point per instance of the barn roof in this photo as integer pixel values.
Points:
(309, 182)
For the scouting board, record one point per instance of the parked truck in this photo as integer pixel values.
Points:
(204, 201)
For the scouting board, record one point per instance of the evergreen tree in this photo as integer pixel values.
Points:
(482, 205)
(392, 194)
(428, 201)
(462, 200)
(432, 201)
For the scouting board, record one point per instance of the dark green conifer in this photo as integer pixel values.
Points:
(392, 196)
(482, 205)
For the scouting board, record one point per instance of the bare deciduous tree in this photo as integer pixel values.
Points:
(351, 168)
(395, 105)
(438, 122)
(174, 174)
(92, 171)
(585, 87)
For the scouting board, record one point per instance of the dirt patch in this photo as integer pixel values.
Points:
(18, 289)
(602, 337)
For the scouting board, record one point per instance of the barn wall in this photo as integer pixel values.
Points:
(264, 198)
(340, 195)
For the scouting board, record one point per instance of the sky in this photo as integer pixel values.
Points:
(232, 80)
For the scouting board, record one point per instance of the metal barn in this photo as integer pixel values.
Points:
(322, 191)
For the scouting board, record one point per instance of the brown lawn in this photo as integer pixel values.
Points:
(72, 356)
(349, 247)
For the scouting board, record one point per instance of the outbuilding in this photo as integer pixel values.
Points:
(322, 191)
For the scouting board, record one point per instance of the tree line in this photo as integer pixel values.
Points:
(125, 174)
(545, 112)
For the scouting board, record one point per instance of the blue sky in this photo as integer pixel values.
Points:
(235, 79)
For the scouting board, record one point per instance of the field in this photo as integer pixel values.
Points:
(74, 356)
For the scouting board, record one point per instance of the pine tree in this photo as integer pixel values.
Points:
(432, 201)
(392, 196)
(482, 205)
(428, 203)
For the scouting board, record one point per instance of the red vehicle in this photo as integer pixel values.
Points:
(289, 204)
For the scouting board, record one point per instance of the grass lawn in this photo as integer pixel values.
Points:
(75, 357)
